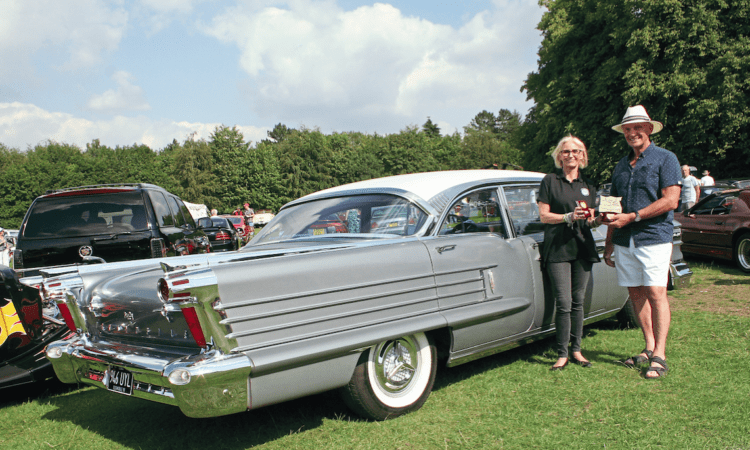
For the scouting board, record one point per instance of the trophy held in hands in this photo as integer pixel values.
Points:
(608, 207)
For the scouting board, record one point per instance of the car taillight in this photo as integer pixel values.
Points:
(158, 250)
(167, 295)
(18, 259)
(191, 317)
(67, 316)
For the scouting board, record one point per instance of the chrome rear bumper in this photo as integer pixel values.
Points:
(679, 275)
(217, 384)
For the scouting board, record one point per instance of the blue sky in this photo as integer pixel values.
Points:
(150, 71)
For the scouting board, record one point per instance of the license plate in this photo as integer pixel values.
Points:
(319, 231)
(120, 381)
(392, 224)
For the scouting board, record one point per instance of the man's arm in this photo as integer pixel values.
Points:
(670, 198)
(697, 191)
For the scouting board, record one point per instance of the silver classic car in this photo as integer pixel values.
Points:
(362, 288)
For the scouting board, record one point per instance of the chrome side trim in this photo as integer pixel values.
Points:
(528, 337)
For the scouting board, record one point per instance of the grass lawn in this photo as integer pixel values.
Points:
(510, 400)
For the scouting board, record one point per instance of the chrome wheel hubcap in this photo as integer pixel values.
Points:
(396, 364)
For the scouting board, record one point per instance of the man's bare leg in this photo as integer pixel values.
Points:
(661, 316)
(642, 307)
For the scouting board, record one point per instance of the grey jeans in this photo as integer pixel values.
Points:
(569, 281)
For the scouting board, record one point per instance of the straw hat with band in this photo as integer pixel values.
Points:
(638, 114)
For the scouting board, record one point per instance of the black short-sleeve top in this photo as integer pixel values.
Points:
(563, 242)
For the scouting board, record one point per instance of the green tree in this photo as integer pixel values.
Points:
(685, 61)
(430, 128)
(193, 161)
(231, 160)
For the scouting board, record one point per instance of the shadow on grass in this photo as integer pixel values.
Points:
(542, 352)
(724, 266)
(37, 391)
(136, 423)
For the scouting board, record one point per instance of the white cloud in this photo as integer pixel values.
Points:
(325, 66)
(159, 14)
(23, 125)
(80, 29)
(126, 97)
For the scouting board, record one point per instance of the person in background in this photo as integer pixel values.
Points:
(4, 248)
(237, 211)
(647, 179)
(248, 213)
(214, 213)
(569, 249)
(707, 179)
(691, 189)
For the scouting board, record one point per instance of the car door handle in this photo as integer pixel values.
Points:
(445, 249)
(719, 223)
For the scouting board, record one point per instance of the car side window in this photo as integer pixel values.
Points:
(161, 209)
(476, 212)
(716, 206)
(186, 214)
(176, 212)
(523, 209)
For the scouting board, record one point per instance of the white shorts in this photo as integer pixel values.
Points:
(643, 266)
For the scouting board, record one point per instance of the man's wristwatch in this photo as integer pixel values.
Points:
(637, 217)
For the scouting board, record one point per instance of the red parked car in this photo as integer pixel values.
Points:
(719, 226)
(239, 223)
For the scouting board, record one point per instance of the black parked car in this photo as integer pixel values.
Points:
(105, 223)
(223, 235)
(81, 225)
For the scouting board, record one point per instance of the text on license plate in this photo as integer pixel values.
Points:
(120, 380)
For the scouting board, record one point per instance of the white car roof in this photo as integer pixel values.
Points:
(433, 188)
(429, 184)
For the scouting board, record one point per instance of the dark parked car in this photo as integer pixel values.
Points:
(719, 226)
(718, 187)
(737, 183)
(105, 223)
(246, 231)
(82, 225)
(221, 233)
(322, 299)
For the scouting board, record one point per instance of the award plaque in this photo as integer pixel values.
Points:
(609, 206)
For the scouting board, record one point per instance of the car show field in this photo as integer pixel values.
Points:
(509, 400)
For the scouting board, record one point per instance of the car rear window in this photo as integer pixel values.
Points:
(219, 222)
(84, 215)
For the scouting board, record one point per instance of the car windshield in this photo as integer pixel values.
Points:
(219, 222)
(237, 220)
(84, 215)
(370, 215)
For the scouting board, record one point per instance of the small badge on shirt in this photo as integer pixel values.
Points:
(585, 192)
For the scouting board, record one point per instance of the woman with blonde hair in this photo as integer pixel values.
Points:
(566, 201)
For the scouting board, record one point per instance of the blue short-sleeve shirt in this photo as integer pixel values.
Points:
(640, 186)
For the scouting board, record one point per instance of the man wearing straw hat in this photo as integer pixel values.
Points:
(648, 180)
